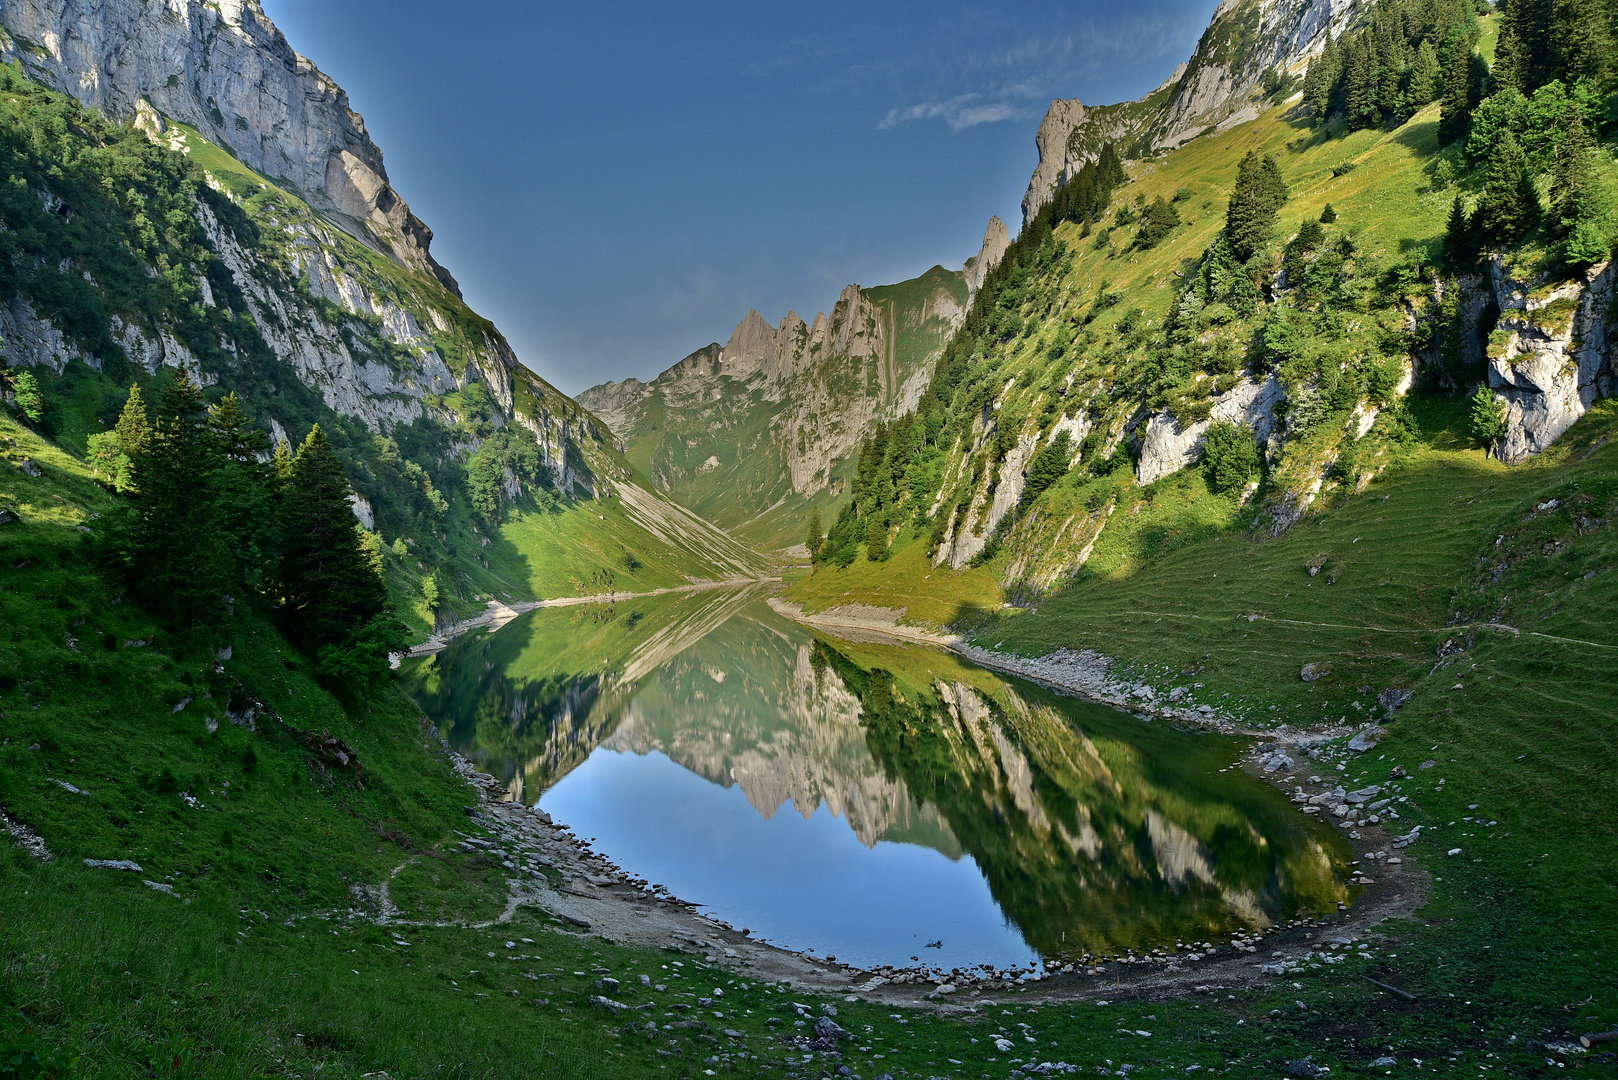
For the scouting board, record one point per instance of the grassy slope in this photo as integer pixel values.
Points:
(239, 973)
(234, 993)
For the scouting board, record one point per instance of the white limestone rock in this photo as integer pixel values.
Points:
(222, 67)
(1557, 358)
(1167, 447)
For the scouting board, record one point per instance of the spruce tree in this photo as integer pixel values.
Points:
(1425, 77)
(134, 423)
(1260, 191)
(1455, 112)
(1360, 86)
(1509, 206)
(1575, 199)
(176, 553)
(134, 432)
(1525, 55)
(330, 590)
(1460, 238)
(245, 488)
(1321, 77)
(1328, 215)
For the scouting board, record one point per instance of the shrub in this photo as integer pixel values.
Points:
(1486, 420)
(1229, 456)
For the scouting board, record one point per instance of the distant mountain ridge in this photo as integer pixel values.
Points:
(759, 425)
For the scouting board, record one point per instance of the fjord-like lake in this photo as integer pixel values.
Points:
(882, 803)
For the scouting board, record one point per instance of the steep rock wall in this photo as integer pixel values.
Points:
(223, 68)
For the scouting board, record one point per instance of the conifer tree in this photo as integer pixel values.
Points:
(1525, 56)
(1360, 87)
(1509, 207)
(331, 591)
(1257, 198)
(1425, 77)
(1460, 238)
(1455, 112)
(1328, 215)
(134, 425)
(1575, 196)
(281, 464)
(816, 539)
(1322, 75)
(176, 553)
(244, 490)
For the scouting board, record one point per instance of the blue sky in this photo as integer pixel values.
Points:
(616, 184)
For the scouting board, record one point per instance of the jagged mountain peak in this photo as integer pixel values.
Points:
(223, 68)
(996, 241)
(1210, 91)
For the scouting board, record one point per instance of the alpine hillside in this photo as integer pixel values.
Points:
(752, 433)
(255, 242)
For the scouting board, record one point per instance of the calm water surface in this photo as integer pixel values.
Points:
(879, 803)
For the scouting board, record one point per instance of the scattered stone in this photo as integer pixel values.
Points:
(1366, 740)
(1305, 1069)
(827, 1028)
(1429, 763)
(114, 864)
(27, 465)
(607, 985)
(159, 886)
(1313, 672)
(614, 1007)
(65, 786)
(1384, 1062)
(7, 517)
(1393, 699)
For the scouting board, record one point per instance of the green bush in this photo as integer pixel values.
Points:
(1486, 420)
(1229, 456)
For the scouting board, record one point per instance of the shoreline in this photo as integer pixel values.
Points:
(1400, 889)
(496, 614)
(557, 873)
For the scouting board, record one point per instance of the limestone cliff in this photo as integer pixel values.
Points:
(288, 271)
(995, 242)
(1212, 90)
(224, 69)
(1551, 355)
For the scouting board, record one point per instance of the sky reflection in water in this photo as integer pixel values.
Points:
(689, 735)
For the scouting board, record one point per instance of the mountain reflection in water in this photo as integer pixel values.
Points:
(1093, 831)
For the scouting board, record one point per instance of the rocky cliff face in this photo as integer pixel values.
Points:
(1551, 355)
(1244, 39)
(996, 239)
(739, 430)
(224, 69)
(315, 297)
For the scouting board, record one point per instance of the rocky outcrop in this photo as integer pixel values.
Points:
(1167, 446)
(996, 241)
(1551, 355)
(222, 67)
(1212, 90)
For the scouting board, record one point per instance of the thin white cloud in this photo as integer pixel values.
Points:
(960, 112)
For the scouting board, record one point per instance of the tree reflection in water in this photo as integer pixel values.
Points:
(1094, 832)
